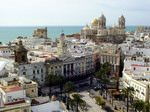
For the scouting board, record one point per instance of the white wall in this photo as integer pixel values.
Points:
(14, 95)
(9, 96)
(27, 70)
(6, 52)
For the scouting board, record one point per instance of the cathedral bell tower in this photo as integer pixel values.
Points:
(20, 53)
(62, 46)
(102, 22)
(121, 22)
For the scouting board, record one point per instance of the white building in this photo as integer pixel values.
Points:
(53, 106)
(98, 28)
(35, 71)
(3, 71)
(6, 51)
(14, 98)
(136, 74)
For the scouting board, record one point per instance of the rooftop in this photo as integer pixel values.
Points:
(11, 88)
(53, 106)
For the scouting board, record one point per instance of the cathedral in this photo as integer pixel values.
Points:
(98, 30)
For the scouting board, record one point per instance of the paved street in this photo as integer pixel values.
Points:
(93, 107)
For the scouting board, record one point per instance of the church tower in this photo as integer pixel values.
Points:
(62, 46)
(121, 22)
(20, 53)
(102, 22)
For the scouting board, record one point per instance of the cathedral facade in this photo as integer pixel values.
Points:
(97, 28)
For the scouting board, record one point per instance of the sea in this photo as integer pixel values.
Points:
(8, 34)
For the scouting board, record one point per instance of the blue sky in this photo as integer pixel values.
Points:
(72, 12)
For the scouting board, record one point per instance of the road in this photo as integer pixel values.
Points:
(92, 106)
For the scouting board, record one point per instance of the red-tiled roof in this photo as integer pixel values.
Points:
(12, 88)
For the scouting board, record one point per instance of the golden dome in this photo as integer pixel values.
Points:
(94, 22)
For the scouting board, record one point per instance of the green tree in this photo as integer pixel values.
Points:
(50, 80)
(78, 101)
(100, 101)
(107, 68)
(138, 105)
(128, 92)
(146, 107)
(68, 87)
(103, 78)
(83, 106)
(60, 80)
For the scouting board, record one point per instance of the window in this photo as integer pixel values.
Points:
(42, 76)
(37, 71)
(33, 77)
(32, 90)
(24, 73)
(41, 70)
(134, 68)
(33, 71)
(147, 69)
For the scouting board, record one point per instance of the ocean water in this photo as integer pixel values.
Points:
(10, 33)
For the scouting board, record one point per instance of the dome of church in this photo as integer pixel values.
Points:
(103, 18)
(86, 27)
(94, 22)
(62, 34)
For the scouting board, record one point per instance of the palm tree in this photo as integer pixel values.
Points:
(60, 81)
(51, 80)
(128, 92)
(138, 105)
(83, 105)
(103, 78)
(100, 101)
(68, 87)
(72, 103)
(146, 107)
(78, 101)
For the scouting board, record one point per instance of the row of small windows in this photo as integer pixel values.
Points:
(38, 71)
(5, 51)
(109, 59)
(41, 77)
(138, 88)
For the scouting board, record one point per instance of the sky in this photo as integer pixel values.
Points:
(72, 12)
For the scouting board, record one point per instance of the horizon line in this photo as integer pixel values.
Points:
(57, 25)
